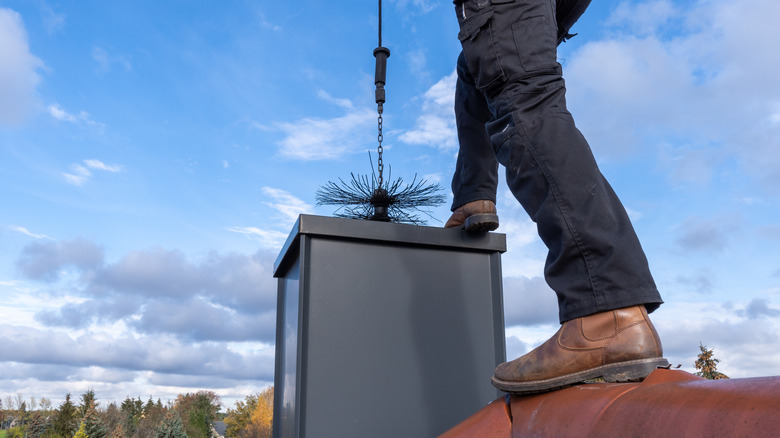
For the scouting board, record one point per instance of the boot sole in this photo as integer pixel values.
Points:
(630, 371)
(481, 222)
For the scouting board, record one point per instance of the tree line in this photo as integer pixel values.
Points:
(191, 415)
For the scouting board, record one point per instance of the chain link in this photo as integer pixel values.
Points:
(380, 165)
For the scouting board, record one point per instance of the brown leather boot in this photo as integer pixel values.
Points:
(619, 345)
(474, 216)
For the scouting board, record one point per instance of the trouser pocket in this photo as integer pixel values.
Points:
(507, 39)
(535, 39)
(475, 18)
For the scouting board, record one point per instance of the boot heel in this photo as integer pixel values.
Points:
(632, 371)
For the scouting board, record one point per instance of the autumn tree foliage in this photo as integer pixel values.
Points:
(190, 416)
(707, 365)
(112, 419)
(81, 432)
(117, 432)
(253, 418)
(151, 416)
(88, 401)
(197, 412)
(237, 419)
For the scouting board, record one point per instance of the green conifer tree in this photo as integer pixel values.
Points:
(93, 425)
(131, 411)
(171, 426)
(65, 421)
(707, 365)
(88, 400)
(39, 425)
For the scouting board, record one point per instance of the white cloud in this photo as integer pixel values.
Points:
(26, 232)
(526, 252)
(105, 61)
(317, 139)
(99, 165)
(312, 139)
(288, 208)
(436, 124)
(18, 70)
(529, 301)
(515, 347)
(80, 174)
(56, 111)
(130, 352)
(285, 203)
(417, 62)
(645, 17)
(44, 261)
(267, 238)
(268, 24)
(52, 21)
(144, 286)
(344, 103)
(701, 76)
(420, 6)
(705, 234)
(744, 335)
(433, 178)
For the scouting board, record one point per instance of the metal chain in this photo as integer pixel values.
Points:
(380, 165)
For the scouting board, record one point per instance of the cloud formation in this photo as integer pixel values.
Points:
(529, 301)
(27, 232)
(744, 338)
(43, 261)
(267, 238)
(220, 298)
(18, 72)
(53, 22)
(80, 174)
(57, 112)
(105, 61)
(436, 124)
(159, 354)
(312, 139)
(758, 308)
(682, 76)
(153, 315)
(288, 206)
(704, 234)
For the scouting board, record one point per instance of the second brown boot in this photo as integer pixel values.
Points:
(619, 345)
(474, 216)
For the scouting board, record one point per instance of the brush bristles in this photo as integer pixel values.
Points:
(360, 197)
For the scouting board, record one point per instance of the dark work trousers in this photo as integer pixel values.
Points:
(510, 109)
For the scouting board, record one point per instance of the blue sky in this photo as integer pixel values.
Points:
(154, 156)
